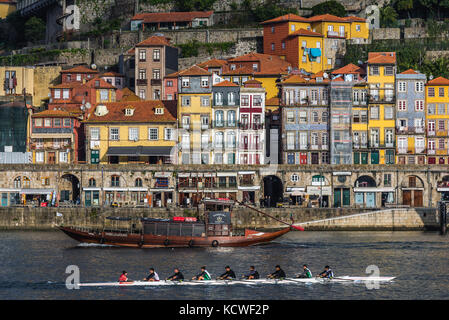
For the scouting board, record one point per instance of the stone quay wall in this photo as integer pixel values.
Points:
(329, 219)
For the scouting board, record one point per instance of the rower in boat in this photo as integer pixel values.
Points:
(277, 274)
(153, 276)
(204, 275)
(228, 275)
(306, 273)
(177, 276)
(327, 273)
(123, 277)
(253, 274)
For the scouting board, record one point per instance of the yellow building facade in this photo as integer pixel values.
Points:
(131, 132)
(381, 72)
(34, 80)
(7, 7)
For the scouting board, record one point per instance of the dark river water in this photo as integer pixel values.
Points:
(33, 264)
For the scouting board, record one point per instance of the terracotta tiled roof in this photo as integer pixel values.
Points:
(350, 68)
(239, 71)
(285, 18)
(226, 83)
(194, 71)
(128, 95)
(154, 41)
(79, 69)
(269, 64)
(53, 113)
(296, 78)
(99, 83)
(67, 85)
(301, 79)
(409, 71)
(306, 33)
(112, 74)
(172, 75)
(327, 17)
(144, 111)
(156, 17)
(354, 19)
(382, 57)
(438, 81)
(213, 63)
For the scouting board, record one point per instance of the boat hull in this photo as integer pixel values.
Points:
(136, 240)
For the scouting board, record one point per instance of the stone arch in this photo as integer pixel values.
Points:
(69, 188)
(365, 181)
(273, 190)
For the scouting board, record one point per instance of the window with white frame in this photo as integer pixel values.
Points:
(205, 82)
(402, 86)
(104, 95)
(402, 105)
(153, 134)
(419, 105)
(290, 140)
(388, 113)
(419, 86)
(65, 94)
(205, 141)
(419, 144)
(142, 55)
(156, 54)
(95, 134)
(431, 144)
(169, 134)
(133, 134)
(290, 117)
(114, 134)
(47, 122)
(185, 101)
(63, 157)
(40, 157)
(67, 122)
(295, 177)
(205, 101)
(185, 82)
(231, 98)
(57, 94)
(257, 100)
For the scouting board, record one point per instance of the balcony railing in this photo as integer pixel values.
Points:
(156, 82)
(254, 126)
(410, 130)
(224, 124)
(141, 82)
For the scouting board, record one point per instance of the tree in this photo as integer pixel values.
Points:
(194, 5)
(35, 29)
(330, 7)
(269, 10)
(405, 5)
(388, 17)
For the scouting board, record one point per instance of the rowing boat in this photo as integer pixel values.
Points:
(344, 279)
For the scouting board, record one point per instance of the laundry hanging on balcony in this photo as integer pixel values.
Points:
(314, 53)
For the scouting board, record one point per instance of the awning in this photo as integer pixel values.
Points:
(443, 189)
(139, 151)
(341, 173)
(226, 174)
(9, 190)
(184, 174)
(162, 190)
(247, 172)
(36, 191)
(390, 189)
(50, 135)
(91, 189)
(162, 174)
(137, 189)
(313, 190)
(249, 188)
(115, 189)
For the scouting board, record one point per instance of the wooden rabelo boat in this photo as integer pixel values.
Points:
(214, 231)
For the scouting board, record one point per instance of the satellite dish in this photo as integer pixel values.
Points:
(325, 75)
(360, 62)
(431, 77)
(93, 66)
(88, 105)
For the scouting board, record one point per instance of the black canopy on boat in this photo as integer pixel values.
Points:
(154, 220)
(118, 218)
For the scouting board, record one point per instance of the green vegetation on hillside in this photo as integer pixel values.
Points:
(36, 56)
(330, 7)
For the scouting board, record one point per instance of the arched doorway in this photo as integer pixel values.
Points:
(365, 192)
(412, 191)
(272, 191)
(69, 189)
